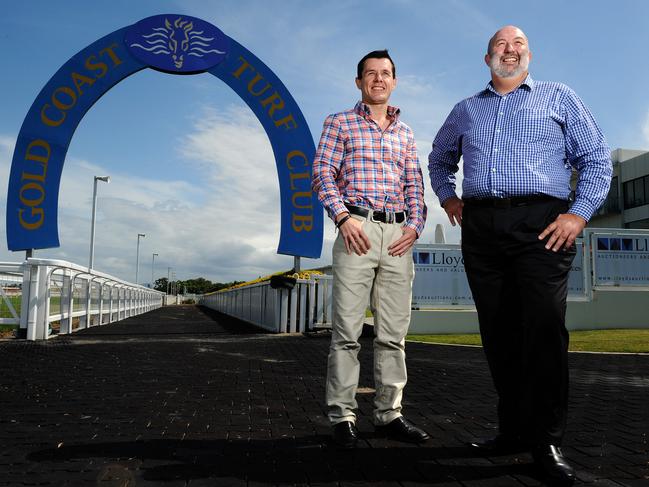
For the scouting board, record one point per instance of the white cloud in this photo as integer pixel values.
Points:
(229, 231)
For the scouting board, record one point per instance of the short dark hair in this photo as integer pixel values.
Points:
(383, 54)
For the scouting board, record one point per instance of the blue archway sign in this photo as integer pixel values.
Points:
(177, 44)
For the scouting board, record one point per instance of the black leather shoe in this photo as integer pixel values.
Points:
(500, 444)
(553, 465)
(345, 434)
(403, 430)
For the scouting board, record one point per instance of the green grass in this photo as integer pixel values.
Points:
(469, 339)
(4, 309)
(634, 341)
(630, 341)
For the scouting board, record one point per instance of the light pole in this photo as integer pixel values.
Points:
(152, 264)
(137, 256)
(168, 274)
(105, 179)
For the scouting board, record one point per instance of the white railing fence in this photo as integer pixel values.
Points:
(304, 308)
(11, 280)
(58, 296)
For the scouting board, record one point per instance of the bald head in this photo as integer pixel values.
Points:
(508, 31)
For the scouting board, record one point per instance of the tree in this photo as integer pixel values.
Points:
(161, 284)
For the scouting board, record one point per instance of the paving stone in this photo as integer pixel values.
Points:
(185, 396)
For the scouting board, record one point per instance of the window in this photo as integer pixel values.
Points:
(628, 194)
(611, 204)
(638, 224)
(636, 192)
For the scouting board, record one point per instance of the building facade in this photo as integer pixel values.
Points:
(627, 204)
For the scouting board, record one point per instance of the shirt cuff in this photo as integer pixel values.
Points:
(336, 209)
(444, 193)
(416, 227)
(582, 209)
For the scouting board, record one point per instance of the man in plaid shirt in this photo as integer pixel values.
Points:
(520, 140)
(367, 176)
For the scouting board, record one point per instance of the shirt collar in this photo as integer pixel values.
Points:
(364, 111)
(527, 82)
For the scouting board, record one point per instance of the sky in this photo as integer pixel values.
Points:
(191, 166)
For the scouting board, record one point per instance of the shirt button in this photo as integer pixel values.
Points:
(493, 169)
(495, 150)
(505, 97)
(497, 131)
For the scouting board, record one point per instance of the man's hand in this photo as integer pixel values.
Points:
(353, 235)
(453, 207)
(403, 243)
(563, 231)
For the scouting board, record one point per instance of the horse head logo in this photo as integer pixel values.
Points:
(179, 33)
(178, 40)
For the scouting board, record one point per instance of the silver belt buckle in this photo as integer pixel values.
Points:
(389, 217)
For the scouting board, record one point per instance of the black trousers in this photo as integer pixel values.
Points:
(520, 291)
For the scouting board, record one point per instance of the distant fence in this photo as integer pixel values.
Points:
(45, 297)
(608, 285)
(305, 307)
(606, 260)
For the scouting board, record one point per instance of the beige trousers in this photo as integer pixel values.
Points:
(386, 282)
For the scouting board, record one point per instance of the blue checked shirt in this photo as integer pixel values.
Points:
(522, 143)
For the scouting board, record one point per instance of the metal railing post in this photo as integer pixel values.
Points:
(89, 304)
(101, 304)
(302, 325)
(312, 304)
(293, 318)
(24, 301)
(110, 303)
(66, 303)
(38, 294)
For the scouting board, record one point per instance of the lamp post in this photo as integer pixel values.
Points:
(168, 274)
(105, 179)
(137, 256)
(152, 264)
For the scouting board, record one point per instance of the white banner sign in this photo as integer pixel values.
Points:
(620, 259)
(440, 278)
(577, 277)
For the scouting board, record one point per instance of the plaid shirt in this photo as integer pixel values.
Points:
(359, 164)
(522, 143)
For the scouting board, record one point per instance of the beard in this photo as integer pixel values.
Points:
(503, 71)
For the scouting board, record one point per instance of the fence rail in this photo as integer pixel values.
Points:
(59, 296)
(11, 278)
(303, 308)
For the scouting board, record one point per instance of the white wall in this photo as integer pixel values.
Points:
(608, 309)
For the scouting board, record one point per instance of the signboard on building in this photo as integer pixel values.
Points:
(620, 259)
(440, 278)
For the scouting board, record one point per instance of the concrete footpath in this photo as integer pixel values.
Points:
(183, 397)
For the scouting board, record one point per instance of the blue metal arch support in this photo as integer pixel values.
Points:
(155, 42)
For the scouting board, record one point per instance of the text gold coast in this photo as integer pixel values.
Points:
(53, 114)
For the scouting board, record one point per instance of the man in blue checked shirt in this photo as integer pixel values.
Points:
(520, 140)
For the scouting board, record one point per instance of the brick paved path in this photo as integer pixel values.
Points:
(178, 397)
